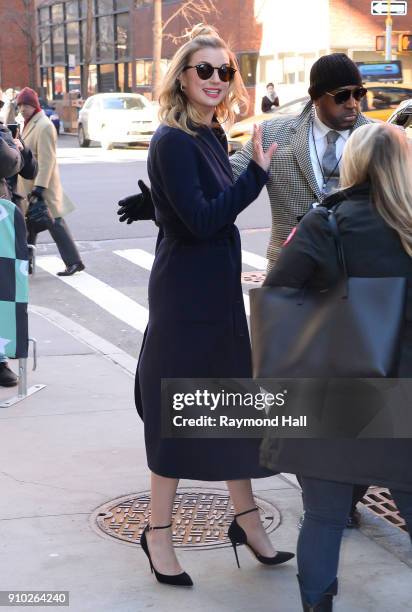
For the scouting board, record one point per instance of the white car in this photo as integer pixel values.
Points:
(117, 118)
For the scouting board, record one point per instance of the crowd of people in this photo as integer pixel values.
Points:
(29, 177)
(331, 156)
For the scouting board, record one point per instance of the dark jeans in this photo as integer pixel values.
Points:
(327, 505)
(63, 239)
(357, 494)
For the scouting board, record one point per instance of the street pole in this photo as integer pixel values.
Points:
(388, 40)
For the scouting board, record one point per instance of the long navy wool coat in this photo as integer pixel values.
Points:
(197, 323)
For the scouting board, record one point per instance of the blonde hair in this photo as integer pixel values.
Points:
(380, 153)
(175, 108)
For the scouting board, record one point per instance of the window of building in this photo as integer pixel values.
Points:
(123, 77)
(44, 15)
(73, 40)
(122, 35)
(247, 67)
(104, 7)
(72, 9)
(45, 41)
(93, 43)
(75, 79)
(57, 13)
(106, 40)
(107, 81)
(122, 4)
(59, 81)
(59, 54)
(143, 72)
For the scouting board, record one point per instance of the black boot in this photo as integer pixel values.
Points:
(325, 604)
(7, 376)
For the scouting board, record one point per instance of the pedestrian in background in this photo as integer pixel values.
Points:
(270, 101)
(374, 215)
(39, 135)
(197, 323)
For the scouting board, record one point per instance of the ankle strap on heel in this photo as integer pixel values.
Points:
(161, 527)
(255, 509)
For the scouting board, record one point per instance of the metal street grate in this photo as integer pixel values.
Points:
(380, 502)
(201, 517)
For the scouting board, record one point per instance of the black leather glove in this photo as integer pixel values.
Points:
(37, 192)
(137, 207)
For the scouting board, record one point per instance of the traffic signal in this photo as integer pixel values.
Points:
(405, 42)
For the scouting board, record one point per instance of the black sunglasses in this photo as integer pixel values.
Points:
(343, 96)
(205, 71)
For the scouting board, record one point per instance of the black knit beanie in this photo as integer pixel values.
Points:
(332, 71)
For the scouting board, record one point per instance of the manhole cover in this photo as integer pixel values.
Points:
(201, 517)
(380, 502)
(253, 278)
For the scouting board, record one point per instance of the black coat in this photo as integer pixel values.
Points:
(267, 104)
(11, 161)
(197, 323)
(372, 249)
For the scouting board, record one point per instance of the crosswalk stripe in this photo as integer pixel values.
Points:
(253, 260)
(108, 298)
(145, 260)
(137, 256)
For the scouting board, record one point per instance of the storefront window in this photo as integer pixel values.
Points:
(122, 4)
(75, 79)
(59, 55)
(106, 43)
(46, 83)
(72, 9)
(122, 35)
(123, 77)
(59, 89)
(92, 80)
(73, 40)
(143, 72)
(104, 6)
(107, 78)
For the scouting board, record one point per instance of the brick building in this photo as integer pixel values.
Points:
(18, 62)
(274, 41)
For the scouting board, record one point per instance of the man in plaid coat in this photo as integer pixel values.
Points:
(298, 176)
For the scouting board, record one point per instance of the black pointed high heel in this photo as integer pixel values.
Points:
(182, 579)
(237, 536)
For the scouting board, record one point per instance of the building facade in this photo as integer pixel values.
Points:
(18, 60)
(275, 41)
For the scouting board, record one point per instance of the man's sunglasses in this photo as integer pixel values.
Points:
(343, 96)
(206, 70)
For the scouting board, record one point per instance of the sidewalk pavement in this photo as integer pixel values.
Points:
(78, 444)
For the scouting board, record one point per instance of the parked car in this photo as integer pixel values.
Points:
(378, 104)
(116, 118)
(402, 116)
(50, 111)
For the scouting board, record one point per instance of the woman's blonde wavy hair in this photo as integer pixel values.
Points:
(175, 109)
(380, 153)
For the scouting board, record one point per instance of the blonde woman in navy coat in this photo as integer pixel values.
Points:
(197, 323)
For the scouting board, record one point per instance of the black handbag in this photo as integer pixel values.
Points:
(38, 216)
(352, 330)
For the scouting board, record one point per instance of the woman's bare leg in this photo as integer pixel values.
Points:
(242, 498)
(160, 540)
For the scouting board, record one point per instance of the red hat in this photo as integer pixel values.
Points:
(28, 96)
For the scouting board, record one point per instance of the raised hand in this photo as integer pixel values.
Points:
(261, 157)
(137, 207)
